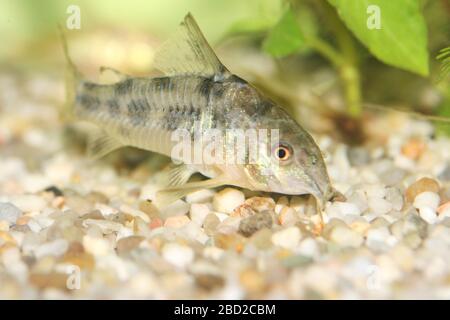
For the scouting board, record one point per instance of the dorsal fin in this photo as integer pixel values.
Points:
(188, 52)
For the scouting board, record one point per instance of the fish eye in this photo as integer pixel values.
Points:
(283, 152)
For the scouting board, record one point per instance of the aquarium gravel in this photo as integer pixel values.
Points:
(74, 228)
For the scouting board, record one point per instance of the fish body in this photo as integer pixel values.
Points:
(196, 96)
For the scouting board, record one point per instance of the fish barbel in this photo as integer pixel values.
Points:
(197, 93)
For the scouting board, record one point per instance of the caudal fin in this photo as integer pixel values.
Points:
(72, 76)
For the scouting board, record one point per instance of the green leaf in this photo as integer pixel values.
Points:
(400, 41)
(285, 37)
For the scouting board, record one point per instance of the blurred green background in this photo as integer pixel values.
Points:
(28, 26)
(124, 34)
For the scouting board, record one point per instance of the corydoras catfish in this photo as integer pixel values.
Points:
(197, 93)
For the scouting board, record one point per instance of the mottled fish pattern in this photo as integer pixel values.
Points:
(198, 93)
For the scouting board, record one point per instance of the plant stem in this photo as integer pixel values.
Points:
(345, 60)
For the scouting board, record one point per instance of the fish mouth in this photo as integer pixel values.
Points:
(323, 194)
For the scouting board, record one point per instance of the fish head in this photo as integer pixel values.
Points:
(293, 163)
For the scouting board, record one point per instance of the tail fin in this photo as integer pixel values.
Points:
(72, 76)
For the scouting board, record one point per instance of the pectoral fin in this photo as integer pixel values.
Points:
(167, 196)
(179, 175)
(100, 144)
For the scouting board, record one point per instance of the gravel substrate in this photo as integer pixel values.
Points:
(72, 228)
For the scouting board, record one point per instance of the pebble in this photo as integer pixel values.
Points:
(248, 226)
(127, 244)
(29, 203)
(243, 211)
(9, 212)
(379, 239)
(149, 208)
(410, 223)
(105, 226)
(421, 185)
(227, 200)
(288, 238)
(198, 212)
(178, 255)
(54, 248)
(346, 237)
(413, 148)
(444, 209)
(340, 209)
(358, 156)
(262, 239)
(287, 216)
(229, 225)
(134, 212)
(177, 208)
(427, 199)
(96, 246)
(428, 214)
(210, 224)
(309, 248)
(176, 222)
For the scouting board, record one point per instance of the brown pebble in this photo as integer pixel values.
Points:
(97, 197)
(51, 280)
(96, 215)
(210, 224)
(229, 241)
(250, 225)
(149, 208)
(23, 220)
(209, 281)
(262, 239)
(243, 211)
(76, 255)
(127, 244)
(260, 204)
(253, 281)
(421, 185)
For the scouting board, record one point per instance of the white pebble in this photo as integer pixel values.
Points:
(34, 226)
(28, 203)
(177, 208)
(198, 212)
(9, 212)
(54, 248)
(227, 200)
(427, 198)
(309, 247)
(288, 238)
(428, 214)
(96, 246)
(178, 255)
(346, 237)
(379, 238)
(106, 226)
(213, 253)
(379, 206)
(339, 209)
